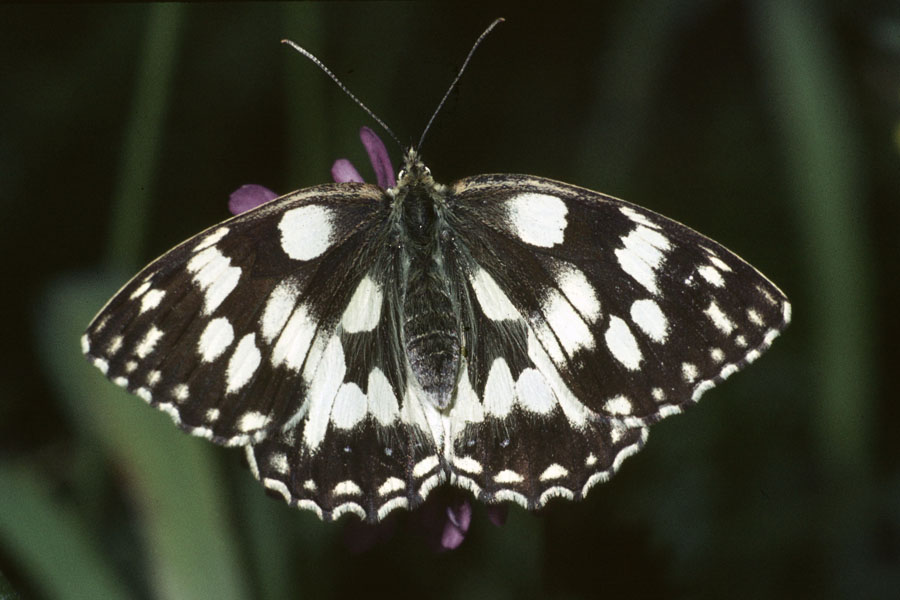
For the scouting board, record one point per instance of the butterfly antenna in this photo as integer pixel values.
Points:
(458, 75)
(343, 87)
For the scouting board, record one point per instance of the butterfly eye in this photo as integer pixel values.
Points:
(401, 174)
(427, 172)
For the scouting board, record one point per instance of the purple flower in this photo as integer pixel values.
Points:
(249, 196)
(343, 170)
(445, 516)
(252, 195)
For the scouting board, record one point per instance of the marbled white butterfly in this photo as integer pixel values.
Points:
(507, 334)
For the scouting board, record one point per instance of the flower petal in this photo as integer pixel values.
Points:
(249, 196)
(343, 171)
(459, 517)
(378, 156)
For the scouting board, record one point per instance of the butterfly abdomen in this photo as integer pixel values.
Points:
(430, 325)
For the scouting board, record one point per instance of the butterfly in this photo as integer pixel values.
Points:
(511, 335)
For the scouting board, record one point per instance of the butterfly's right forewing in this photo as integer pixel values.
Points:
(639, 314)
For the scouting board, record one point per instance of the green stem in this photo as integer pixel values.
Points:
(143, 133)
(816, 123)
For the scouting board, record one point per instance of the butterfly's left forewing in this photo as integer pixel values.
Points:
(219, 331)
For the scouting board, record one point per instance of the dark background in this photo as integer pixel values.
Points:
(770, 125)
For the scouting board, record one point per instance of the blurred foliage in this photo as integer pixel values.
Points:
(769, 125)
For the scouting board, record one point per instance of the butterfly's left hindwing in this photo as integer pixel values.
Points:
(366, 442)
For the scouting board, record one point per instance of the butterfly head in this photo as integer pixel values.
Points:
(414, 173)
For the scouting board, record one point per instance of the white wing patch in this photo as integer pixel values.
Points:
(622, 345)
(689, 372)
(537, 219)
(295, 339)
(718, 262)
(533, 392)
(243, 364)
(347, 488)
(279, 462)
(637, 217)
(642, 254)
(493, 301)
(754, 317)
(306, 231)
(468, 464)
(151, 300)
(182, 392)
(554, 471)
(570, 329)
(578, 290)
(508, 476)
(211, 239)
(215, 339)
(364, 309)
(576, 412)
(619, 405)
(466, 406)
(214, 275)
(252, 421)
(499, 390)
(712, 275)
(391, 485)
(425, 466)
(323, 387)
(719, 318)
(647, 315)
(139, 291)
(349, 406)
(280, 304)
(383, 403)
(149, 341)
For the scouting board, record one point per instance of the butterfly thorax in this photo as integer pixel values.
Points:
(429, 321)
